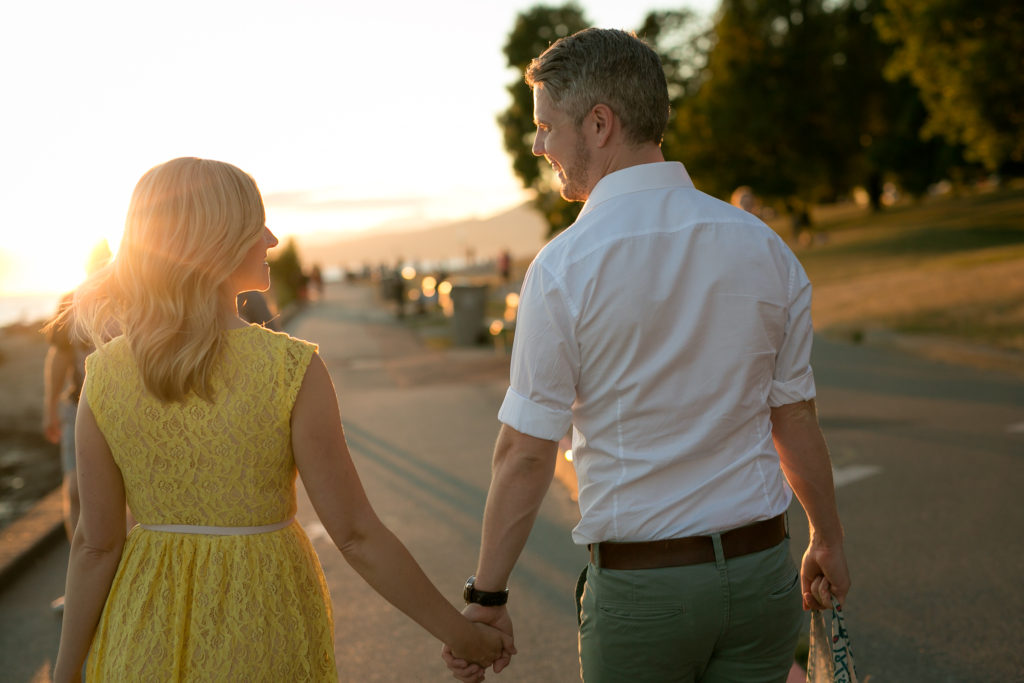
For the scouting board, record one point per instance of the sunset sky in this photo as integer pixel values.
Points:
(348, 115)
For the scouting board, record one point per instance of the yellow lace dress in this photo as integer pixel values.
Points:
(198, 607)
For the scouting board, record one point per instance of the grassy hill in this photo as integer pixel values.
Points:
(948, 270)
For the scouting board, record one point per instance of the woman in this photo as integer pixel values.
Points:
(201, 422)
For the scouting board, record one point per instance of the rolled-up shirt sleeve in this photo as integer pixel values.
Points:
(793, 380)
(545, 359)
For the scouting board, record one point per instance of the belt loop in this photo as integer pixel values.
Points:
(716, 539)
(785, 521)
(596, 552)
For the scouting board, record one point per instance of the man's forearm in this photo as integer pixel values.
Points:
(805, 462)
(55, 371)
(522, 471)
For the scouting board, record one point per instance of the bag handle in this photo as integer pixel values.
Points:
(830, 658)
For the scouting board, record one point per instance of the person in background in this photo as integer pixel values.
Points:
(201, 422)
(505, 265)
(253, 308)
(63, 372)
(672, 331)
(316, 279)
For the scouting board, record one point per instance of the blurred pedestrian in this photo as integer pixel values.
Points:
(63, 373)
(253, 308)
(505, 265)
(316, 279)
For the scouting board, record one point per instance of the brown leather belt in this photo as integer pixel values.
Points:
(680, 552)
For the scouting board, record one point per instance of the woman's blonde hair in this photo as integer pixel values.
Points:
(189, 224)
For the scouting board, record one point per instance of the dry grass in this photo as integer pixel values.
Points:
(951, 268)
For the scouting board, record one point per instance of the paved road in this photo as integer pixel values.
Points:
(930, 459)
(934, 530)
(421, 425)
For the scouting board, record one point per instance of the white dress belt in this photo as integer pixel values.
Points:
(218, 530)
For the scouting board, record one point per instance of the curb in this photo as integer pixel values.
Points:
(24, 538)
(933, 347)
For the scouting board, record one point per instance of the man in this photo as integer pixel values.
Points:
(672, 331)
(63, 372)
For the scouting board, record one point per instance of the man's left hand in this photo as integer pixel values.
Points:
(497, 617)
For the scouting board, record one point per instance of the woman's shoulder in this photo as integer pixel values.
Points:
(114, 351)
(259, 336)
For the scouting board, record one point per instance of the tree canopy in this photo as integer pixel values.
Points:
(805, 100)
(535, 30)
(966, 58)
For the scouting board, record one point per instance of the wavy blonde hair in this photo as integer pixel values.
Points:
(189, 224)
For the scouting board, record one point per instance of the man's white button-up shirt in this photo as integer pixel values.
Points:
(662, 326)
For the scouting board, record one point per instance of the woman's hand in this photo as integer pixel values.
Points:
(484, 647)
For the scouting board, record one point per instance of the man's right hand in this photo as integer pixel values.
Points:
(823, 574)
(51, 427)
(497, 617)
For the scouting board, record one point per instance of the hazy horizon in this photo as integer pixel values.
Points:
(347, 115)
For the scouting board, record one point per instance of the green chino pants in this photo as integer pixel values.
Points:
(729, 621)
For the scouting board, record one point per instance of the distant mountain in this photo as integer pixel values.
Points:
(521, 230)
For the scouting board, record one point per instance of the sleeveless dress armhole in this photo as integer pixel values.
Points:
(298, 354)
(95, 385)
(92, 365)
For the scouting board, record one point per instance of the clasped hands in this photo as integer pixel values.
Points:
(494, 617)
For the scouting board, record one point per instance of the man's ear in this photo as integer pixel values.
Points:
(602, 122)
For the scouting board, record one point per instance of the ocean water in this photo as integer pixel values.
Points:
(27, 308)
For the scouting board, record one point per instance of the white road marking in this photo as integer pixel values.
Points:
(1016, 428)
(851, 473)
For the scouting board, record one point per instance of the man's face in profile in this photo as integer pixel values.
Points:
(562, 143)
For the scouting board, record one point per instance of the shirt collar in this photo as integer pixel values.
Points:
(657, 175)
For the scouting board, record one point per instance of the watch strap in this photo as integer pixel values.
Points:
(486, 598)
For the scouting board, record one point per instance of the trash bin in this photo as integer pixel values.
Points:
(468, 304)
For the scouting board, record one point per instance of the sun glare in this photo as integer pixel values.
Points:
(49, 263)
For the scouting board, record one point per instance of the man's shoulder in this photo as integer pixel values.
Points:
(658, 210)
(558, 248)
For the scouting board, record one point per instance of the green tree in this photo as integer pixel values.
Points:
(534, 30)
(759, 114)
(682, 41)
(286, 275)
(966, 58)
(879, 118)
(790, 99)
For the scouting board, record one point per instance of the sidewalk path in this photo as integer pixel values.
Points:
(421, 425)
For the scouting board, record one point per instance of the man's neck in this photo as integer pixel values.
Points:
(626, 156)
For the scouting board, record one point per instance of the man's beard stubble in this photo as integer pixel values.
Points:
(576, 186)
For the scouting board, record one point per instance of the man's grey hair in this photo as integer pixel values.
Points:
(606, 66)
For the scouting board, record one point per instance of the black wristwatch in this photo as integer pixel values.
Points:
(485, 598)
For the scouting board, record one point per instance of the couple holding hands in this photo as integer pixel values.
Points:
(670, 330)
